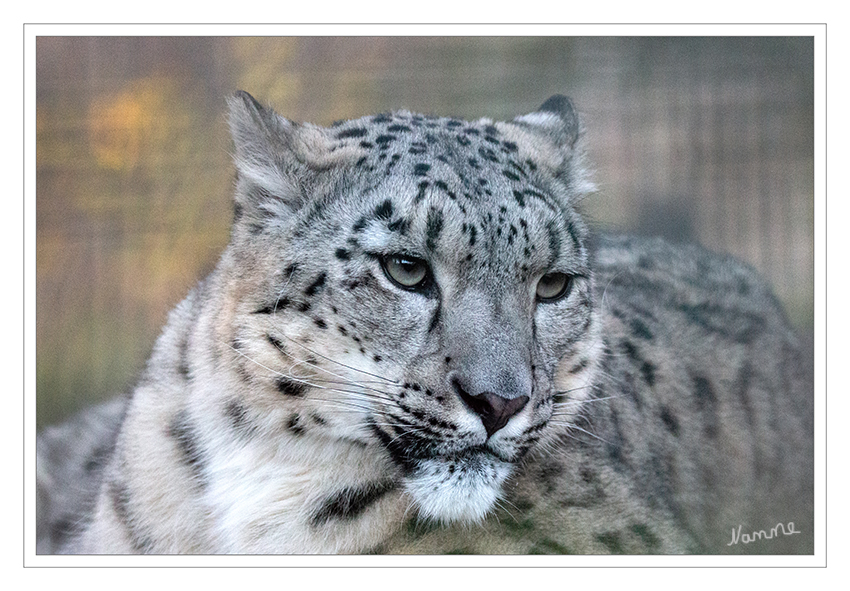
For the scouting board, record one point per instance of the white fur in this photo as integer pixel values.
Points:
(467, 494)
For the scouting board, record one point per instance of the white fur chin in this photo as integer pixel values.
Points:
(457, 489)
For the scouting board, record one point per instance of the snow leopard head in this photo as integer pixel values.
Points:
(415, 285)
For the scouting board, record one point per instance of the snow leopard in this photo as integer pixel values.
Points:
(414, 343)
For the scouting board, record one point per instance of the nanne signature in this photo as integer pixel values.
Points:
(747, 538)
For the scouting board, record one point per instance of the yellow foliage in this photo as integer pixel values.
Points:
(125, 126)
(276, 79)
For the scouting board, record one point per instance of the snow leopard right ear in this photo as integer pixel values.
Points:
(279, 161)
(265, 160)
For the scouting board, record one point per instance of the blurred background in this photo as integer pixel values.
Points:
(705, 139)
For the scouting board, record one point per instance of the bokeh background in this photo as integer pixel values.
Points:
(706, 139)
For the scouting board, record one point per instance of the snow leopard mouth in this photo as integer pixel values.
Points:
(408, 450)
(492, 451)
(450, 482)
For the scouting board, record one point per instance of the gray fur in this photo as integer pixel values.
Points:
(302, 400)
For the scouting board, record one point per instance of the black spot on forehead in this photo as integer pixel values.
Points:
(517, 168)
(400, 225)
(434, 225)
(421, 191)
(488, 154)
(554, 241)
(445, 188)
(352, 132)
(574, 236)
(462, 164)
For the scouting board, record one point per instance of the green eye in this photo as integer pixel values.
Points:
(553, 287)
(406, 272)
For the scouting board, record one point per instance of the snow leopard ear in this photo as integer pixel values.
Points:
(557, 119)
(264, 156)
(556, 122)
(281, 164)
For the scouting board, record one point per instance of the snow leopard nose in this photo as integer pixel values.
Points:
(494, 410)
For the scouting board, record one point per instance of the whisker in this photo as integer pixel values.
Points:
(605, 291)
(355, 394)
(339, 363)
(384, 395)
(255, 362)
(281, 292)
(572, 408)
(368, 390)
(366, 395)
(327, 371)
(408, 429)
(319, 379)
(576, 389)
(504, 503)
(344, 405)
(577, 428)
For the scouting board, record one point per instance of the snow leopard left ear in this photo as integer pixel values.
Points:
(557, 119)
(557, 124)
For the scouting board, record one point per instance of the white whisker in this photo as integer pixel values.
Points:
(380, 396)
(577, 428)
(339, 363)
(327, 371)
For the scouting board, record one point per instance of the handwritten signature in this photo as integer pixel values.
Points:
(748, 538)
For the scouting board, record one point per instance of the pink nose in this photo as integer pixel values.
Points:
(494, 410)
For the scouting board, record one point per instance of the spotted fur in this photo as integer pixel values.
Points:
(414, 344)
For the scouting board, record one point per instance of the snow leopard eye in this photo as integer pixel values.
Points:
(406, 272)
(553, 286)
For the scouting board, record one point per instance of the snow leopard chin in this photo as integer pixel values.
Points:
(457, 489)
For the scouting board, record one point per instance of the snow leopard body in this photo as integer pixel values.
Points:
(413, 343)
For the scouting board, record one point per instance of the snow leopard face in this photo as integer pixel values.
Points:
(416, 285)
